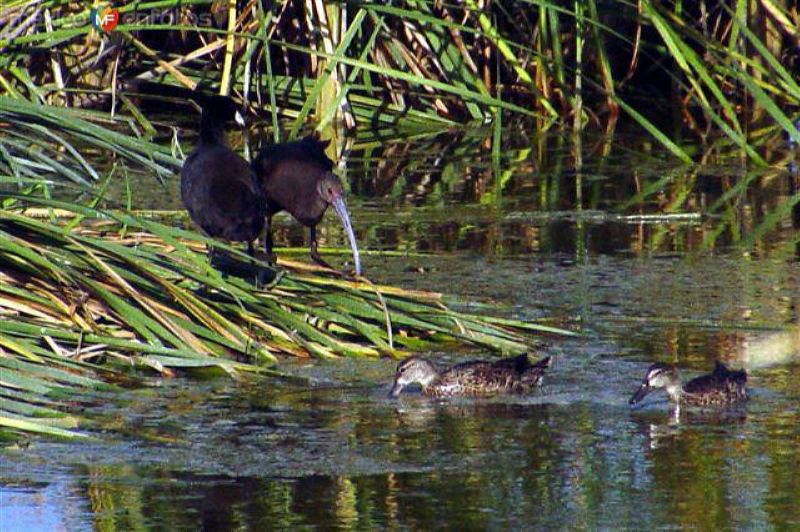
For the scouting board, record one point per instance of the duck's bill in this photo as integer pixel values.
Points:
(396, 389)
(640, 394)
(341, 210)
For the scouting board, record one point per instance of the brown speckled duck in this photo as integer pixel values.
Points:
(721, 387)
(515, 375)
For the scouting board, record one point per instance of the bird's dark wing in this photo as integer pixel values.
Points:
(518, 364)
(223, 200)
(721, 379)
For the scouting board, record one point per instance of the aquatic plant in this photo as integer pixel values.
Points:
(724, 71)
(86, 293)
(87, 285)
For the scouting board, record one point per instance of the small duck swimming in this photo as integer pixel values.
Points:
(515, 375)
(721, 387)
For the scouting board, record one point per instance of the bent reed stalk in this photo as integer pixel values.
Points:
(719, 71)
(82, 302)
(82, 299)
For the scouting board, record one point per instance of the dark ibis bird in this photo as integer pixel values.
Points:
(297, 177)
(218, 187)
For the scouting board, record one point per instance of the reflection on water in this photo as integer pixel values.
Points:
(266, 456)
(337, 452)
(445, 193)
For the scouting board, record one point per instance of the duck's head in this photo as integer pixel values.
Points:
(411, 370)
(658, 376)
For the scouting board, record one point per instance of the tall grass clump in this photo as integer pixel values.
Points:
(91, 293)
(682, 71)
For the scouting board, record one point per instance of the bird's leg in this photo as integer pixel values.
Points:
(219, 260)
(214, 256)
(203, 290)
(213, 261)
(271, 258)
(263, 275)
(315, 256)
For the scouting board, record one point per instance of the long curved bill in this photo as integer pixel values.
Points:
(341, 210)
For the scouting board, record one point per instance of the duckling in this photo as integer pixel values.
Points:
(474, 378)
(721, 387)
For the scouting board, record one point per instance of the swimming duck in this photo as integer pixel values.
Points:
(720, 387)
(477, 377)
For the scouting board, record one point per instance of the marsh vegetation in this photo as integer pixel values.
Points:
(589, 166)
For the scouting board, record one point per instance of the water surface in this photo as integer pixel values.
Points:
(533, 238)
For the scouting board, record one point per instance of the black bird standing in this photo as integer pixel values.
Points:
(296, 177)
(218, 187)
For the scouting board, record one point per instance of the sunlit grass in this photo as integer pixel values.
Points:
(87, 292)
(414, 64)
(115, 291)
